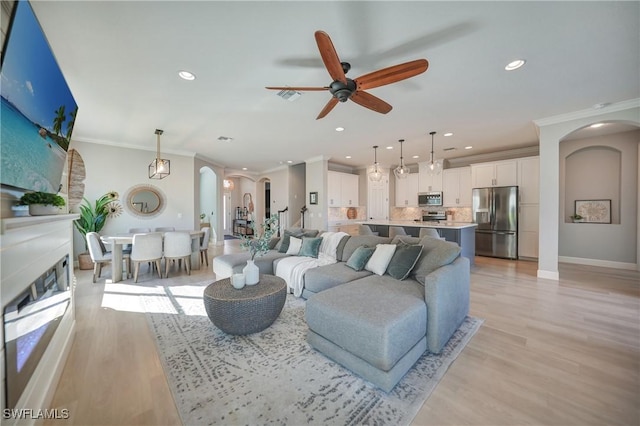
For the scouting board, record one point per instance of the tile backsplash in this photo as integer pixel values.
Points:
(460, 214)
(340, 213)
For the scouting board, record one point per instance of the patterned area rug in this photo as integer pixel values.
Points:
(275, 377)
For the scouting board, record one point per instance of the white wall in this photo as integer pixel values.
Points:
(316, 181)
(552, 130)
(110, 168)
(603, 167)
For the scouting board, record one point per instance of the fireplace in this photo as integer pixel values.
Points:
(30, 321)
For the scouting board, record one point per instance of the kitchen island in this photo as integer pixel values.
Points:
(461, 233)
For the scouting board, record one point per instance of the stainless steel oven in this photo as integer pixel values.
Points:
(429, 199)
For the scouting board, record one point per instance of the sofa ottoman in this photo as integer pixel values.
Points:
(380, 337)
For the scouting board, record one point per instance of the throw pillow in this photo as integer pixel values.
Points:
(294, 245)
(360, 257)
(380, 258)
(310, 247)
(404, 259)
(284, 242)
(436, 253)
(273, 243)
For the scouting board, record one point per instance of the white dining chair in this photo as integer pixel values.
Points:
(365, 230)
(177, 246)
(139, 230)
(429, 232)
(396, 230)
(165, 229)
(146, 248)
(100, 255)
(204, 245)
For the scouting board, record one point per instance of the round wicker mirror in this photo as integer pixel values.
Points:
(145, 201)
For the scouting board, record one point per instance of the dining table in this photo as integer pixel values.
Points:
(119, 240)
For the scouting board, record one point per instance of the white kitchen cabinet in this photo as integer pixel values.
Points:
(456, 187)
(529, 180)
(498, 173)
(528, 230)
(342, 189)
(428, 183)
(407, 191)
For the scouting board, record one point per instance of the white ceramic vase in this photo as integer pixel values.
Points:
(251, 273)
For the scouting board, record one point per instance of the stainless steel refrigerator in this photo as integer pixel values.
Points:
(495, 210)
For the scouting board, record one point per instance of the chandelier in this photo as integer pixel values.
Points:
(159, 168)
(228, 185)
(434, 167)
(401, 171)
(375, 175)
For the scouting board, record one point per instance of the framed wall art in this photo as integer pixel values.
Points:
(313, 198)
(594, 211)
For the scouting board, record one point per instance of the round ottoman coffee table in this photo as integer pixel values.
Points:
(248, 310)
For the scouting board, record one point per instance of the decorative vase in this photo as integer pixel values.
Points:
(44, 209)
(84, 262)
(251, 273)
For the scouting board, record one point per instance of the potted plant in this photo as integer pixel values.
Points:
(93, 218)
(42, 203)
(257, 246)
(576, 218)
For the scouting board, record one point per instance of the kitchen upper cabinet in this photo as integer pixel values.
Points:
(529, 180)
(428, 183)
(342, 189)
(499, 173)
(407, 191)
(456, 187)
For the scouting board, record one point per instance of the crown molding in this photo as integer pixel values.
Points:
(527, 151)
(587, 113)
(136, 147)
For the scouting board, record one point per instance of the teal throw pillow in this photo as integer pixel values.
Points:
(360, 257)
(310, 247)
(404, 259)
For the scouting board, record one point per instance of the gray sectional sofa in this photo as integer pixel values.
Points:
(376, 325)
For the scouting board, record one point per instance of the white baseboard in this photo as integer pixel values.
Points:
(549, 275)
(598, 262)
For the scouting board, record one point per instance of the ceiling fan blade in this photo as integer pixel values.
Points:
(330, 57)
(327, 108)
(374, 103)
(391, 74)
(300, 89)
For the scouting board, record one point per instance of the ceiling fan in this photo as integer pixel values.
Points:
(343, 88)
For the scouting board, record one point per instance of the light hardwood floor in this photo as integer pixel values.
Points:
(548, 353)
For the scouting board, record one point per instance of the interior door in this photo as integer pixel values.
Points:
(378, 199)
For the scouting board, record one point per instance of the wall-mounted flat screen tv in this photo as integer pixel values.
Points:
(38, 109)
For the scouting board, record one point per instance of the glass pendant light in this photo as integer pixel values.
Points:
(434, 167)
(375, 175)
(401, 171)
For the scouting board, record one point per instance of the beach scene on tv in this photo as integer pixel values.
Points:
(38, 109)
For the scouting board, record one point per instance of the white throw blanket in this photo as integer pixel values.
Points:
(292, 269)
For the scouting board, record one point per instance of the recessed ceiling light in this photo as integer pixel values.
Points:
(468, 147)
(244, 168)
(289, 161)
(339, 129)
(347, 156)
(416, 156)
(595, 126)
(514, 65)
(389, 147)
(448, 134)
(186, 75)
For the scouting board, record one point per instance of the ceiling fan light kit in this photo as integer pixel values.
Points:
(375, 175)
(401, 171)
(342, 88)
(159, 168)
(434, 167)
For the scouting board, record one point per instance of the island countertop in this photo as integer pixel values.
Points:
(414, 224)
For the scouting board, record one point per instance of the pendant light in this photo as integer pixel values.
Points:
(401, 171)
(434, 167)
(159, 168)
(375, 175)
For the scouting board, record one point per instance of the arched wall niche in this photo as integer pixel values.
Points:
(593, 173)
